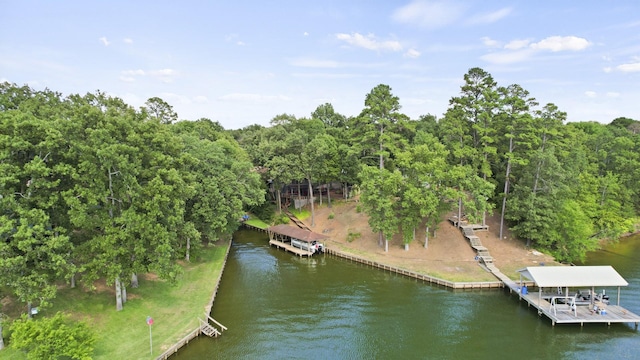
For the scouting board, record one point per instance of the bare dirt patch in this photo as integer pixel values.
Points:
(448, 255)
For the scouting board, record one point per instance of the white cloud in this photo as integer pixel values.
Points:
(369, 42)
(607, 69)
(412, 53)
(488, 18)
(613, 94)
(517, 44)
(128, 40)
(590, 94)
(561, 43)
(104, 41)
(629, 67)
(489, 42)
(523, 49)
(428, 14)
(165, 75)
(253, 97)
(234, 38)
(305, 34)
(139, 72)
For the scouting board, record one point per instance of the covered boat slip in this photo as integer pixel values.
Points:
(282, 236)
(566, 294)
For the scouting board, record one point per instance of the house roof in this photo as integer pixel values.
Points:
(296, 233)
(574, 276)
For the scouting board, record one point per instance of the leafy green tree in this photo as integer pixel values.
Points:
(380, 189)
(160, 110)
(53, 338)
(425, 193)
(516, 123)
(34, 246)
(128, 198)
(374, 133)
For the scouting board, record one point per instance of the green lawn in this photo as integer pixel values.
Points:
(257, 223)
(125, 335)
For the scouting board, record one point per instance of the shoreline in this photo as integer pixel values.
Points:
(416, 275)
(198, 331)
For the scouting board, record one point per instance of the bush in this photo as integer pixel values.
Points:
(352, 236)
(279, 219)
(358, 209)
(52, 338)
(331, 216)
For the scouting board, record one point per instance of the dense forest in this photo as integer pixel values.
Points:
(93, 188)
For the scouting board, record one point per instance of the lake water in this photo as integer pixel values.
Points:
(279, 306)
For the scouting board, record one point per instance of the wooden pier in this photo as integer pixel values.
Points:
(290, 248)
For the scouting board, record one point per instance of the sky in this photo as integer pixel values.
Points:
(243, 62)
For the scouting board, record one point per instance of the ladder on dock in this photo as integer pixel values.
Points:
(210, 330)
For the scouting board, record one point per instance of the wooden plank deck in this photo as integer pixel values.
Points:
(290, 248)
(614, 313)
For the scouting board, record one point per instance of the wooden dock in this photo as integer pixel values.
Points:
(579, 314)
(290, 248)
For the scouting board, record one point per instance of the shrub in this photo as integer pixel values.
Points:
(52, 338)
(331, 216)
(352, 236)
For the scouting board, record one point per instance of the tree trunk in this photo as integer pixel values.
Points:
(426, 238)
(320, 194)
(311, 200)
(118, 294)
(459, 212)
(73, 281)
(1, 337)
(29, 309)
(124, 293)
(187, 255)
(279, 200)
(504, 199)
(329, 196)
(406, 246)
(386, 245)
(134, 280)
(380, 238)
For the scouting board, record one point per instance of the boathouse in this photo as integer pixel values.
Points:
(567, 294)
(282, 237)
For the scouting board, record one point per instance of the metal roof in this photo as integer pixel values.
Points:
(574, 276)
(296, 233)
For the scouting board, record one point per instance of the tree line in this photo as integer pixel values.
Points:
(561, 187)
(91, 187)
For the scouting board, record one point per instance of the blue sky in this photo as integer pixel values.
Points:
(243, 62)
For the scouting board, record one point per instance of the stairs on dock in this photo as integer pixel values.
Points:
(209, 329)
(482, 253)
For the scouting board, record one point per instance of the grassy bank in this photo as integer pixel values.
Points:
(125, 335)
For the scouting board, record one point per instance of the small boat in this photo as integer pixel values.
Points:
(313, 246)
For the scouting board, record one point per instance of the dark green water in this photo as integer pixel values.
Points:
(278, 306)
